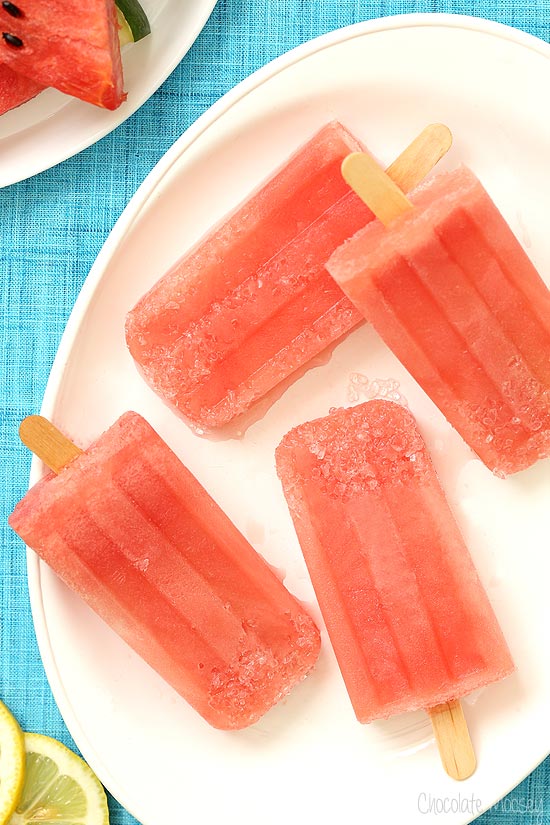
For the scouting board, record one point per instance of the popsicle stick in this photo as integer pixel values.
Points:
(383, 192)
(420, 157)
(453, 739)
(47, 442)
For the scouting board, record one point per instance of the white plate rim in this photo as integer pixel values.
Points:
(119, 116)
(117, 235)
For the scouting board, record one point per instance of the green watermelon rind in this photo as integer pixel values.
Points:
(135, 17)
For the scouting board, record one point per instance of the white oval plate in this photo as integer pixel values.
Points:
(308, 759)
(52, 127)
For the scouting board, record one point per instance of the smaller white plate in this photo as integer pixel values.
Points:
(53, 127)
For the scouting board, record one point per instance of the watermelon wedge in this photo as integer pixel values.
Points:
(69, 45)
(15, 89)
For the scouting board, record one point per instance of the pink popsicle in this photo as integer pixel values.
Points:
(408, 618)
(454, 295)
(129, 529)
(252, 302)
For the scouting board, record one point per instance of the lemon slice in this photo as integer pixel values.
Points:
(58, 788)
(12, 763)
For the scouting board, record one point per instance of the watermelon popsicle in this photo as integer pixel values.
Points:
(453, 294)
(408, 618)
(129, 529)
(241, 313)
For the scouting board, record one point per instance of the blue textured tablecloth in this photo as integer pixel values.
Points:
(51, 229)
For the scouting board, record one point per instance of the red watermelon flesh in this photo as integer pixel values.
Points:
(15, 89)
(71, 46)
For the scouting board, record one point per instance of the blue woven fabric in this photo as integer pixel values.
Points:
(53, 226)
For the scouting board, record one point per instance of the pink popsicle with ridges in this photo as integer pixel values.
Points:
(454, 295)
(129, 529)
(252, 303)
(408, 618)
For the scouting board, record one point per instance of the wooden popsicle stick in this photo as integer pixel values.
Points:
(383, 191)
(420, 157)
(47, 442)
(453, 739)
(375, 188)
(386, 199)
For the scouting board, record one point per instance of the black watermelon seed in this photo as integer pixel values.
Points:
(12, 40)
(12, 9)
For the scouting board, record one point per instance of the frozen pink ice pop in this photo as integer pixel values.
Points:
(129, 529)
(252, 301)
(407, 615)
(454, 295)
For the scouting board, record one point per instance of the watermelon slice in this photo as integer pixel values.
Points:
(69, 45)
(15, 89)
